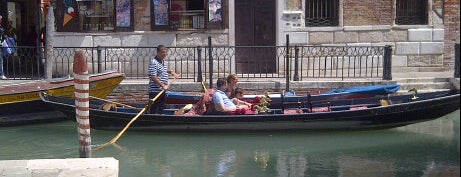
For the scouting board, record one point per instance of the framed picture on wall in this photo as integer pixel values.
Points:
(215, 11)
(161, 15)
(124, 15)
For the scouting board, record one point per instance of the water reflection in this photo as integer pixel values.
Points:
(294, 165)
(425, 149)
(225, 164)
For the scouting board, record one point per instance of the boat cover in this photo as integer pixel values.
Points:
(374, 89)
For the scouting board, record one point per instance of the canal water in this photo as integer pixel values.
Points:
(423, 149)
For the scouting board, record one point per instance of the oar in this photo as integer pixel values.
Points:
(129, 123)
(132, 120)
(204, 87)
(121, 104)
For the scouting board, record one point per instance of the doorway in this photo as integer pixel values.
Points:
(21, 19)
(255, 36)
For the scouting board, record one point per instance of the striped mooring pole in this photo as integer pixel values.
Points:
(82, 102)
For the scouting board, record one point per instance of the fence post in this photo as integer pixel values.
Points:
(199, 63)
(82, 94)
(99, 49)
(457, 60)
(287, 67)
(387, 63)
(210, 64)
(296, 75)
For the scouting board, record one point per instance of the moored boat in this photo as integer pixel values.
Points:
(20, 103)
(351, 114)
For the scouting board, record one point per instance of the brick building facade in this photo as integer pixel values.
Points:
(416, 47)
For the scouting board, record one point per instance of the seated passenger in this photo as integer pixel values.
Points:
(222, 103)
(232, 84)
(238, 93)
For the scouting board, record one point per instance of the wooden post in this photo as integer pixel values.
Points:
(82, 93)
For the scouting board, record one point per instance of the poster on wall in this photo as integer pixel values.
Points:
(123, 15)
(66, 16)
(160, 12)
(69, 11)
(215, 11)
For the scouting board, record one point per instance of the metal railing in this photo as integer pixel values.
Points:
(457, 61)
(25, 63)
(295, 63)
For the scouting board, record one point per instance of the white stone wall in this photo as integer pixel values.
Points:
(411, 47)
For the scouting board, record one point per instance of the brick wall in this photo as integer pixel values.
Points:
(364, 12)
(451, 21)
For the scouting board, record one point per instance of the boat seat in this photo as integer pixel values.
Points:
(385, 102)
(109, 107)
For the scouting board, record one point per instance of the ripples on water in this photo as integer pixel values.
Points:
(424, 149)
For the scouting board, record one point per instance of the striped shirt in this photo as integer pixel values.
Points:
(161, 71)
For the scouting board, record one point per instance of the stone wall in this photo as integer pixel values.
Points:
(364, 12)
(370, 23)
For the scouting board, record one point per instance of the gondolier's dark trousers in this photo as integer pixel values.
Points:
(159, 104)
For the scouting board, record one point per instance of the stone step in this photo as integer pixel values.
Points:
(418, 69)
(425, 85)
(402, 92)
(421, 80)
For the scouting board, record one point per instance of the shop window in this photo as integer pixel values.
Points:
(94, 15)
(322, 13)
(411, 12)
(186, 14)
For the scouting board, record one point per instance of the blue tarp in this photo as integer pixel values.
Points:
(374, 89)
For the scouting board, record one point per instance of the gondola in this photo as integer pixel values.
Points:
(20, 104)
(351, 114)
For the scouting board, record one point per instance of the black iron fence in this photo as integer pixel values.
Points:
(206, 62)
(457, 61)
(25, 63)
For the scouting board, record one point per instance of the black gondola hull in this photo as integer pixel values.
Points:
(380, 117)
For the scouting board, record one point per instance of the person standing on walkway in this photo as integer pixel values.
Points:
(158, 79)
(3, 36)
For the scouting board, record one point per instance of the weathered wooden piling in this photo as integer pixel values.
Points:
(82, 93)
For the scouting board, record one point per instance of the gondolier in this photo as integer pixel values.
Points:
(158, 79)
